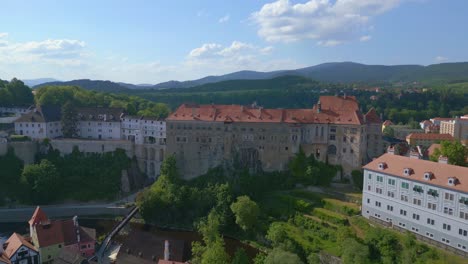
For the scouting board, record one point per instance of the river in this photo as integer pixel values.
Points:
(104, 226)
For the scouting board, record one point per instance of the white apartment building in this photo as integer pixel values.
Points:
(423, 197)
(42, 122)
(99, 123)
(457, 127)
(144, 130)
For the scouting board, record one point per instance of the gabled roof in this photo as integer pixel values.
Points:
(395, 165)
(38, 217)
(372, 117)
(14, 243)
(50, 234)
(387, 123)
(69, 233)
(50, 113)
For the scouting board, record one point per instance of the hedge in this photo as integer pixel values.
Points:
(330, 216)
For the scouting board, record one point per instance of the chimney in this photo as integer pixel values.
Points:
(319, 107)
(391, 150)
(166, 250)
(443, 160)
(344, 96)
(77, 228)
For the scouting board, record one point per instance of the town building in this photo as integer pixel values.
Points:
(425, 124)
(18, 250)
(16, 110)
(438, 120)
(144, 130)
(426, 139)
(457, 127)
(427, 198)
(42, 122)
(99, 122)
(334, 130)
(52, 236)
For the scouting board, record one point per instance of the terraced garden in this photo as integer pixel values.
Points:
(315, 225)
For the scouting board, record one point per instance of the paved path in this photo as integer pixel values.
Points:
(59, 211)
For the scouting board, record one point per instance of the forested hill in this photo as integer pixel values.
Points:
(94, 85)
(340, 72)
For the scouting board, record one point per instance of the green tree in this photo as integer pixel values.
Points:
(456, 153)
(69, 120)
(240, 257)
(215, 253)
(246, 212)
(279, 256)
(277, 233)
(10, 173)
(212, 251)
(389, 131)
(42, 180)
(354, 252)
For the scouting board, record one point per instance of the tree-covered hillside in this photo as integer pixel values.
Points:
(15, 93)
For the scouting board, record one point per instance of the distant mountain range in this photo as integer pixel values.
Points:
(343, 72)
(34, 82)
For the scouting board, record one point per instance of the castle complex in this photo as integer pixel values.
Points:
(334, 130)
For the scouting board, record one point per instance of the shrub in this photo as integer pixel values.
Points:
(341, 207)
(330, 216)
(19, 138)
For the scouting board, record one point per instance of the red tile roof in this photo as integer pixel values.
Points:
(430, 136)
(14, 243)
(333, 110)
(38, 217)
(442, 118)
(50, 234)
(426, 122)
(387, 123)
(62, 232)
(372, 116)
(440, 172)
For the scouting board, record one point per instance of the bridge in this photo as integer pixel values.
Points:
(105, 243)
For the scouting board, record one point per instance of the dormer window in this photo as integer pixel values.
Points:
(427, 176)
(382, 165)
(407, 171)
(90, 116)
(452, 181)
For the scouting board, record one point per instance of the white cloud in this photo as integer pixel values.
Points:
(365, 38)
(205, 50)
(329, 43)
(3, 34)
(328, 22)
(224, 18)
(218, 59)
(440, 59)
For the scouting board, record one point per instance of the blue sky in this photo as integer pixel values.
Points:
(154, 41)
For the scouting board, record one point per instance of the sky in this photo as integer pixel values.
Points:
(155, 41)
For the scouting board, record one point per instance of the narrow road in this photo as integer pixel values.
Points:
(59, 211)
